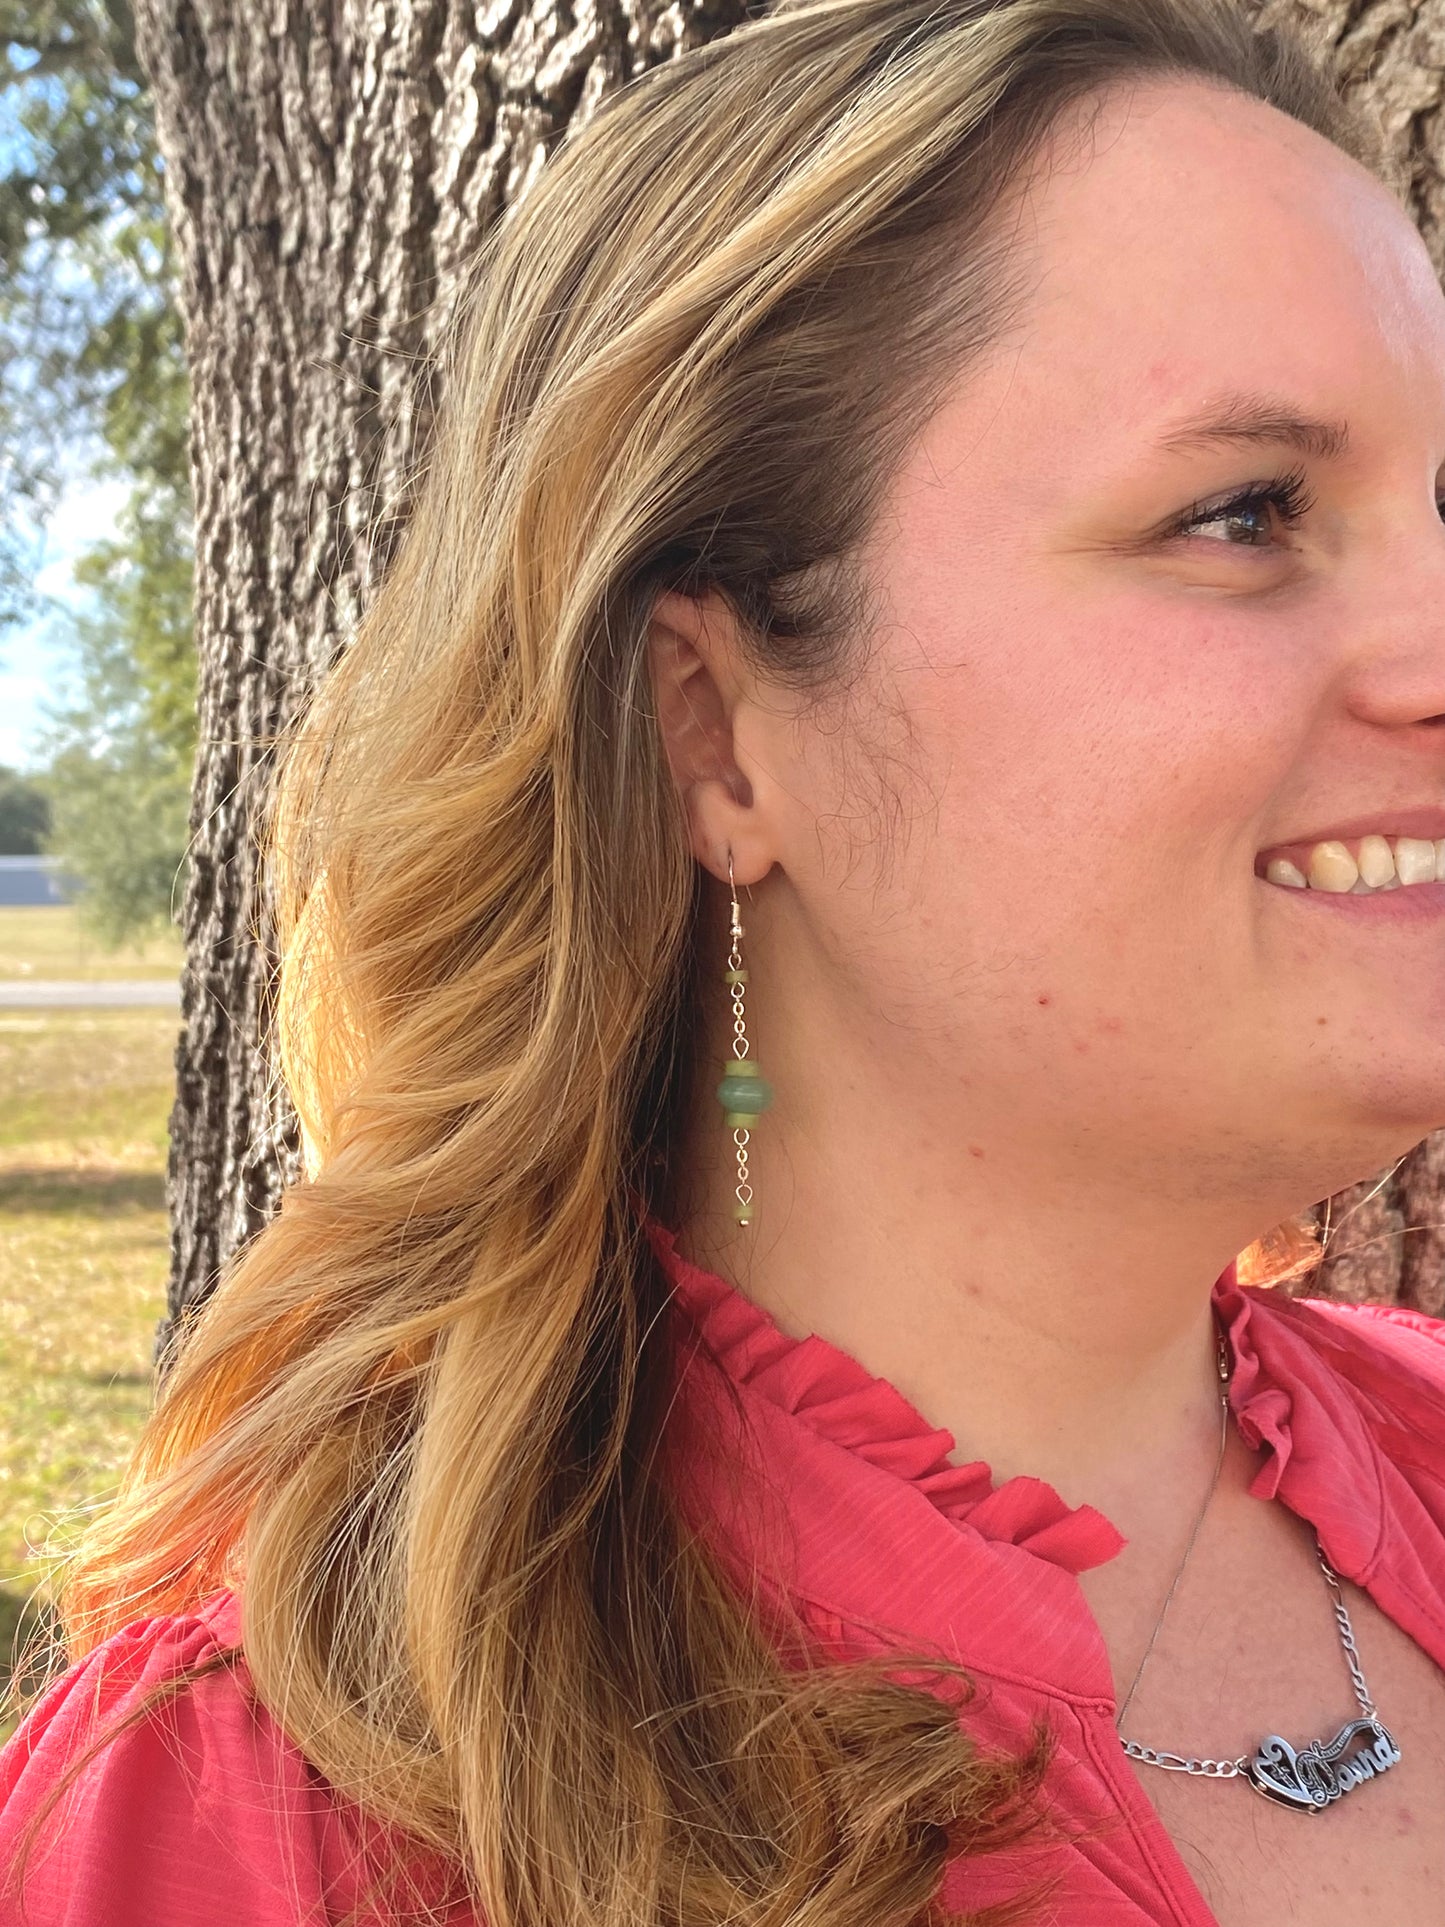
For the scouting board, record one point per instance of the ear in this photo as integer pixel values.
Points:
(699, 678)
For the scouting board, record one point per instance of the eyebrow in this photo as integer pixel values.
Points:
(1257, 419)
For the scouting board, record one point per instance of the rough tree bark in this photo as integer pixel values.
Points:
(330, 165)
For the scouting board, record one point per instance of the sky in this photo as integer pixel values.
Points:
(33, 659)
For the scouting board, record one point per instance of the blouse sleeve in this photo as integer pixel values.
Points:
(198, 1813)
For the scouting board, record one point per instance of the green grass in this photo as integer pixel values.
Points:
(51, 942)
(82, 1088)
(84, 1097)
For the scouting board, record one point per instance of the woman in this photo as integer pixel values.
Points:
(928, 586)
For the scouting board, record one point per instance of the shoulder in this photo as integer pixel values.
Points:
(1349, 1400)
(1392, 1331)
(1392, 1354)
(1389, 1363)
(179, 1799)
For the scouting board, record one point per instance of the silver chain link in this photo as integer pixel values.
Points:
(1176, 1762)
(1347, 1640)
(1228, 1769)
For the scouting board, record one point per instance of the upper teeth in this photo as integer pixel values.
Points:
(1414, 859)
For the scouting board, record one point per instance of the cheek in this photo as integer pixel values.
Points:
(1112, 748)
(1100, 790)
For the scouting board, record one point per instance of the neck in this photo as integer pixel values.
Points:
(1053, 1315)
(1063, 1343)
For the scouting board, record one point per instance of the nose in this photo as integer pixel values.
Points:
(1396, 675)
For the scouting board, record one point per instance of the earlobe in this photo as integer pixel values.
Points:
(719, 829)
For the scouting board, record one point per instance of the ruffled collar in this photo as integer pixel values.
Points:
(826, 1390)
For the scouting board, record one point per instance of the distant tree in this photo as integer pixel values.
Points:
(92, 373)
(93, 383)
(121, 746)
(24, 814)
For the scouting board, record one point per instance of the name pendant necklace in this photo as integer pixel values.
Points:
(1305, 1779)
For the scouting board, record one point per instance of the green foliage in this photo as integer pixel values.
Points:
(120, 750)
(142, 580)
(93, 383)
(24, 814)
(90, 348)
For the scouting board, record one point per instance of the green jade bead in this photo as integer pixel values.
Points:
(744, 1093)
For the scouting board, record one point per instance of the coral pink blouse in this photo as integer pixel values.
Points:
(206, 1815)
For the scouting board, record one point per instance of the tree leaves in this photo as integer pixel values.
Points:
(120, 750)
(92, 370)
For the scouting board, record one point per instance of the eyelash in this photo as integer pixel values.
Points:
(1287, 494)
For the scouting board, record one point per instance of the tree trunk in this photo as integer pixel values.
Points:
(330, 164)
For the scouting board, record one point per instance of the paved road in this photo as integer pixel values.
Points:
(33, 994)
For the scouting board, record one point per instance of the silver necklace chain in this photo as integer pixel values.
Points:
(1307, 1779)
(1222, 1360)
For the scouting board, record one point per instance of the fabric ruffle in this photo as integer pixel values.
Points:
(1347, 1401)
(827, 1390)
(1326, 1391)
(1263, 1405)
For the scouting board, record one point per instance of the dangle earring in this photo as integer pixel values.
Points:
(743, 1093)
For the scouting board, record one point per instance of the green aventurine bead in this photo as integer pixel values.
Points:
(735, 976)
(743, 1213)
(744, 1093)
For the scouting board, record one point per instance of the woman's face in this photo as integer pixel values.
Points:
(1098, 722)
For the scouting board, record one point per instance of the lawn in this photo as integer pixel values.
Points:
(84, 1096)
(51, 942)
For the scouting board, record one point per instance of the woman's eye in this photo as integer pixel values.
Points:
(1249, 511)
(1243, 524)
(1247, 514)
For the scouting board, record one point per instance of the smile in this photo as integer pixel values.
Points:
(1365, 866)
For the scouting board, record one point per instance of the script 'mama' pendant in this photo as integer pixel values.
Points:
(1324, 1770)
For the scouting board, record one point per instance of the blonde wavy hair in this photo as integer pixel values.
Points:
(423, 1422)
